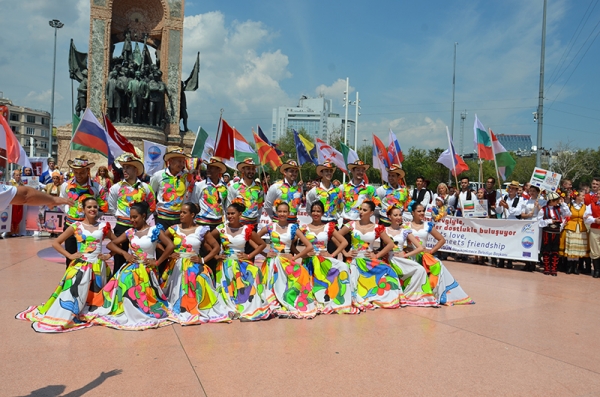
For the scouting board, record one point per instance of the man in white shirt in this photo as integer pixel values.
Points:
(465, 194)
(509, 207)
(420, 194)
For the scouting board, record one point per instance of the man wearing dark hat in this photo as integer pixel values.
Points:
(77, 189)
(325, 192)
(286, 190)
(123, 194)
(392, 193)
(172, 187)
(211, 195)
(356, 191)
(248, 192)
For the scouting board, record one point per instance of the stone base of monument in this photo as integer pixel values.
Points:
(135, 134)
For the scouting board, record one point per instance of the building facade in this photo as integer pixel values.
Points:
(515, 143)
(314, 115)
(31, 127)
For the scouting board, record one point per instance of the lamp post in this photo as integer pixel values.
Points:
(56, 24)
(346, 104)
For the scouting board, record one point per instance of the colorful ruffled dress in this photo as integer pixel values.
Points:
(240, 283)
(132, 299)
(189, 286)
(445, 288)
(290, 281)
(413, 277)
(374, 282)
(330, 276)
(79, 288)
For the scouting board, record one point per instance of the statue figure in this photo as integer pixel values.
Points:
(127, 53)
(123, 84)
(137, 90)
(113, 98)
(82, 93)
(156, 93)
(183, 108)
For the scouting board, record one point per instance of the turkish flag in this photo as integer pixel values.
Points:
(119, 140)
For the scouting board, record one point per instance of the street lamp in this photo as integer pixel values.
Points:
(56, 24)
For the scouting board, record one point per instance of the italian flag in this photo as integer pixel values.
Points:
(483, 143)
(505, 163)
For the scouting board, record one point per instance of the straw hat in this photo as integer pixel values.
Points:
(80, 162)
(215, 162)
(514, 184)
(358, 163)
(327, 165)
(247, 162)
(287, 165)
(175, 152)
(396, 169)
(129, 159)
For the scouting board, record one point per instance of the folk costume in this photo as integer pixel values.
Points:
(552, 220)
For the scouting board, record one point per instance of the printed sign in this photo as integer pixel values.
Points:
(545, 180)
(475, 209)
(31, 181)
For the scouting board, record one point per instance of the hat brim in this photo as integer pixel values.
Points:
(78, 167)
(353, 166)
(285, 167)
(170, 156)
(400, 172)
(240, 166)
(136, 163)
(222, 167)
(322, 167)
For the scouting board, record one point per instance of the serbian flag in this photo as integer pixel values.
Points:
(117, 143)
(224, 146)
(8, 141)
(380, 157)
(91, 134)
(451, 160)
(483, 143)
(264, 138)
(394, 150)
(266, 154)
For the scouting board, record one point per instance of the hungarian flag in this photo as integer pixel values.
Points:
(451, 160)
(224, 143)
(394, 151)
(266, 154)
(483, 143)
(381, 160)
(8, 141)
(327, 153)
(504, 160)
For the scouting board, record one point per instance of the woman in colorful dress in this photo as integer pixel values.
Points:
(288, 277)
(330, 276)
(374, 282)
(413, 276)
(576, 246)
(239, 281)
(103, 177)
(132, 299)
(188, 281)
(445, 288)
(83, 280)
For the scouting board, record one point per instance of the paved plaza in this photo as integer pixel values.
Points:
(527, 335)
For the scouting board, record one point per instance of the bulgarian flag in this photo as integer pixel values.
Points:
(483, 143)
(505, 163)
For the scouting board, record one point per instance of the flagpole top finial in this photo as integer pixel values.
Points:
(222, 110)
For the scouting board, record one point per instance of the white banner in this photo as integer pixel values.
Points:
(499, 238)
(153, 157)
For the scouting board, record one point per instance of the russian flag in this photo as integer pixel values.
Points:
(91, 134)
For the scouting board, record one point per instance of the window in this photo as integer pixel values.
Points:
(30, 119)
(14, 129)
(43, 145)
(45, 133)
(30, 131)
(14, 117)
(45, 121)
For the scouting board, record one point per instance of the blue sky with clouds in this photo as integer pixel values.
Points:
(398, 56)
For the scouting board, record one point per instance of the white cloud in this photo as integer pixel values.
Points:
(334, 91)
(41, 98)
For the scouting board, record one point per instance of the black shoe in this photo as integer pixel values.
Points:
(509, 265)
(596, 274)
(570, 269)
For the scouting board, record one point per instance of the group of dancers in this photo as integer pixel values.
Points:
(192, 270)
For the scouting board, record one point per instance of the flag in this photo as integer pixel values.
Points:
(191, 84)
(224, 142)
(75, 146)
(9, 142)
(92, 135)
(310, 148)
(483, 143)
(117, 143)
(241, 151)
(40, 168)
(350, 156)
(262, 136)
(451, 160)
(199, 143)
(266, 154)
(209, 149)
(327, 153)
(380, 157)
(394, 150)
(153, 156)
(77, 63)
(505, 163)
(301, 150)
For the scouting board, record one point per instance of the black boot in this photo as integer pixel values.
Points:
(587, 265)
(546, 262)
(596, 263)
(571, 266)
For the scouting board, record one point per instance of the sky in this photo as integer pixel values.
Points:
(398, 55)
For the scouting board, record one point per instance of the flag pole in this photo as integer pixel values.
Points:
(453, 166)
(495, 163)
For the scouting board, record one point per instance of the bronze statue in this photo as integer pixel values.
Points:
(113, 98)
(82, 93)
(138, 90)
(127, 53)
(156, 90)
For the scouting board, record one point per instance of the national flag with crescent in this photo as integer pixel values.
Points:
(8, 141)
(117, 143)
(328, 153)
